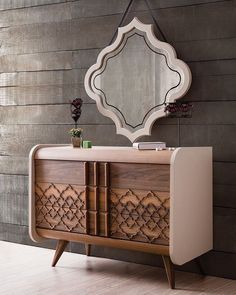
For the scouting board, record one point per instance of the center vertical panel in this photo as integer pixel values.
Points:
(86, 181)
(96, 196)
(107, 181)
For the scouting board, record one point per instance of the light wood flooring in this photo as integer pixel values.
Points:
(26, 270)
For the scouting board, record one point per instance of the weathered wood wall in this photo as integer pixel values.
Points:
(46, 47)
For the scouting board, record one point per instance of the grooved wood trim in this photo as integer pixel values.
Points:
(108, 242)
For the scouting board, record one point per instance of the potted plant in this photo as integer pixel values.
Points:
(76, 137)
(76, 133)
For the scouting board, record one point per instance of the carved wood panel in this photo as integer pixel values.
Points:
(139, 215)
(98, 209)
(61, 207)
(71, 208)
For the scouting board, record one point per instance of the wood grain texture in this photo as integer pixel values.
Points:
(62, 36)
(140, 176)
(18, 234)
(213, 68)
(29, 62)
(18, 4)
(224, 195)
(41, 50)
(54, 172)
(42, 95)
(66, 203)
(43, 78)
(219, 136)
(108, 276)
(108, 242)
(13, 165)
(50, 114)
(213, 88)
(61, 245)
(202, 109)
(41, 14)
(224, 229)
(30, 135)
(15, 208)
(169, 267)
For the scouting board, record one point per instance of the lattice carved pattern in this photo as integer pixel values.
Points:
(140, 215)
(61, 207)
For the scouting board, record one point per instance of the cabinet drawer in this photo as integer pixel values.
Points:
(71, 208)
(60, 171)
(140, 176)
(60, 195)
(139, 215)
(139, 228)
(140, 202)
(60, 207)
(61, 218)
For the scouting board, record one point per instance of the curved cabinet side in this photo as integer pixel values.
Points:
(191, 217)
(32, 224)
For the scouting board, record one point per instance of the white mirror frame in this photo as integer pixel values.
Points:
(173, 61)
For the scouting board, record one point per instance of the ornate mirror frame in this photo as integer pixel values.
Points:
(172, 62)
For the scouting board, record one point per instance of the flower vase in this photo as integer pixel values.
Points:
(76, 142)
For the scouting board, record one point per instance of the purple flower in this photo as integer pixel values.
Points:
(75, 108)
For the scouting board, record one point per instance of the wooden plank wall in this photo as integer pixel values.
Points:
(46, 47)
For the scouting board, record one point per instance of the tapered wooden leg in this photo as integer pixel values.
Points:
(87, 249)
(198, 261)
(61, 245)
(169, 267)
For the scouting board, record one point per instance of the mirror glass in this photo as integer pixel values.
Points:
(135, 81)
(134, 78)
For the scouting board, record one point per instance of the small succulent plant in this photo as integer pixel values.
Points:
(75, 109)
(75, 132)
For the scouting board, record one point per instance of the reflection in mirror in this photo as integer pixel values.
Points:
(134, 78)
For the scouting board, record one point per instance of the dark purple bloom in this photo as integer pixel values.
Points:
(75, 108)
(179, 109)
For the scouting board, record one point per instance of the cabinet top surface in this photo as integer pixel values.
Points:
(113, 154)
(103, 154)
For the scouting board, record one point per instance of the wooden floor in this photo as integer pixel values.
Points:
(26, 270)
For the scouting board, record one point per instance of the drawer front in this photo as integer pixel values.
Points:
(71, 208)
(60, 195)
(140, 176)
(60, 171)
(139, 215)
(61, 207)
(120, 200)
(139, 229)
(61, 219)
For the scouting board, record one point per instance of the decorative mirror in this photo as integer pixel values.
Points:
(134, 78)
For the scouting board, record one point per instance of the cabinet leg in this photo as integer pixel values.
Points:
(169, 267)
(198, 261)
(61, 245)
(87, 249)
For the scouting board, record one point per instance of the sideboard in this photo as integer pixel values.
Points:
(151, 201)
